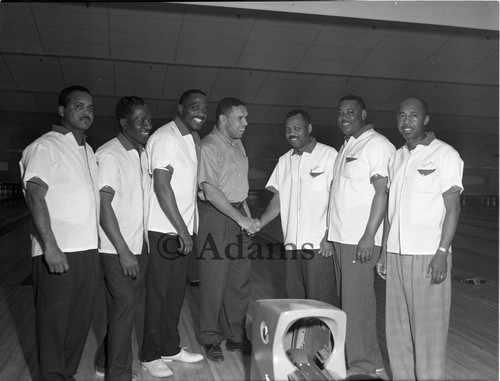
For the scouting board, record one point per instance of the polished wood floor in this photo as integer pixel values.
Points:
(473, 338)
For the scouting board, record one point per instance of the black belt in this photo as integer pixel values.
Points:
(238, 205)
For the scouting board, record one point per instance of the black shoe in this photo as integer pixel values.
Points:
(213, 352)
(245, 347)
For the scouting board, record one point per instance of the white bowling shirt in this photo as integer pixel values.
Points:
(168, 147)
(418, 180)
(303, 182)
(70, 171)
(126, 172)
(359, 160)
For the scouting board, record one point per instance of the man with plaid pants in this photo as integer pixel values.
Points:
(425, 182)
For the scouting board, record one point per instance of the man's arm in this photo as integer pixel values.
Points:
(109, 223)
(247, 209)
(382, 260)
(325, 246)
(168, 203)
(438, 268)
(272, 210)
(215, 196)
(36, 190)
(255, 221)
(366, 244)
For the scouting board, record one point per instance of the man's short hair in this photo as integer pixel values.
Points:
(355, 98)
(225, 105)
(65, 93)
(125, 104)
(301, 112)
(186, 94)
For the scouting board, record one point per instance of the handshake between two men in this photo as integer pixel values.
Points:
(250, 225)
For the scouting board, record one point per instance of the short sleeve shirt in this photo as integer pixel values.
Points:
(418, 179)
(359, 159)
(303, 182)
(167, 147)
(125, 170)
(224, 164)
(72, 198)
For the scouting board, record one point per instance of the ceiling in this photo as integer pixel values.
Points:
(273, 61)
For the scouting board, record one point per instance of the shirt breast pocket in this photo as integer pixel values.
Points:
(353, 168)
(318, 182)
(428, 180)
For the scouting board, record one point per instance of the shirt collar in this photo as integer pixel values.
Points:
(181, 126)
(362, 130)
(65, 131)
(126, 143)
(224, 138)
(60, 129)
(429, 137)
(308, 148)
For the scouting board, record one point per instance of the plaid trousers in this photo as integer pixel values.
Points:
(417, 318)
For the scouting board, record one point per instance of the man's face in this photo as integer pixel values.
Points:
(137, 126)
(193, 112)
(412, 120)
(297, 132)
(236, 122)
(79, 112)
(350, 117)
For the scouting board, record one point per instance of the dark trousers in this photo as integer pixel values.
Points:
(309, 275)
(63, 313)
(124, 296)
(165, 288)
(224, 270)
(358, 301)
(192, 269)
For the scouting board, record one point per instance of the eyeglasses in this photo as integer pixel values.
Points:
(475, 281)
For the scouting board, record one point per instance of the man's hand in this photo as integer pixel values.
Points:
(256, 226)
(246, 224)
(129, 264)
(186, 243)
(382, 265)
(326, 248)
(364, 252)
(438, 268)
(56, 259)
